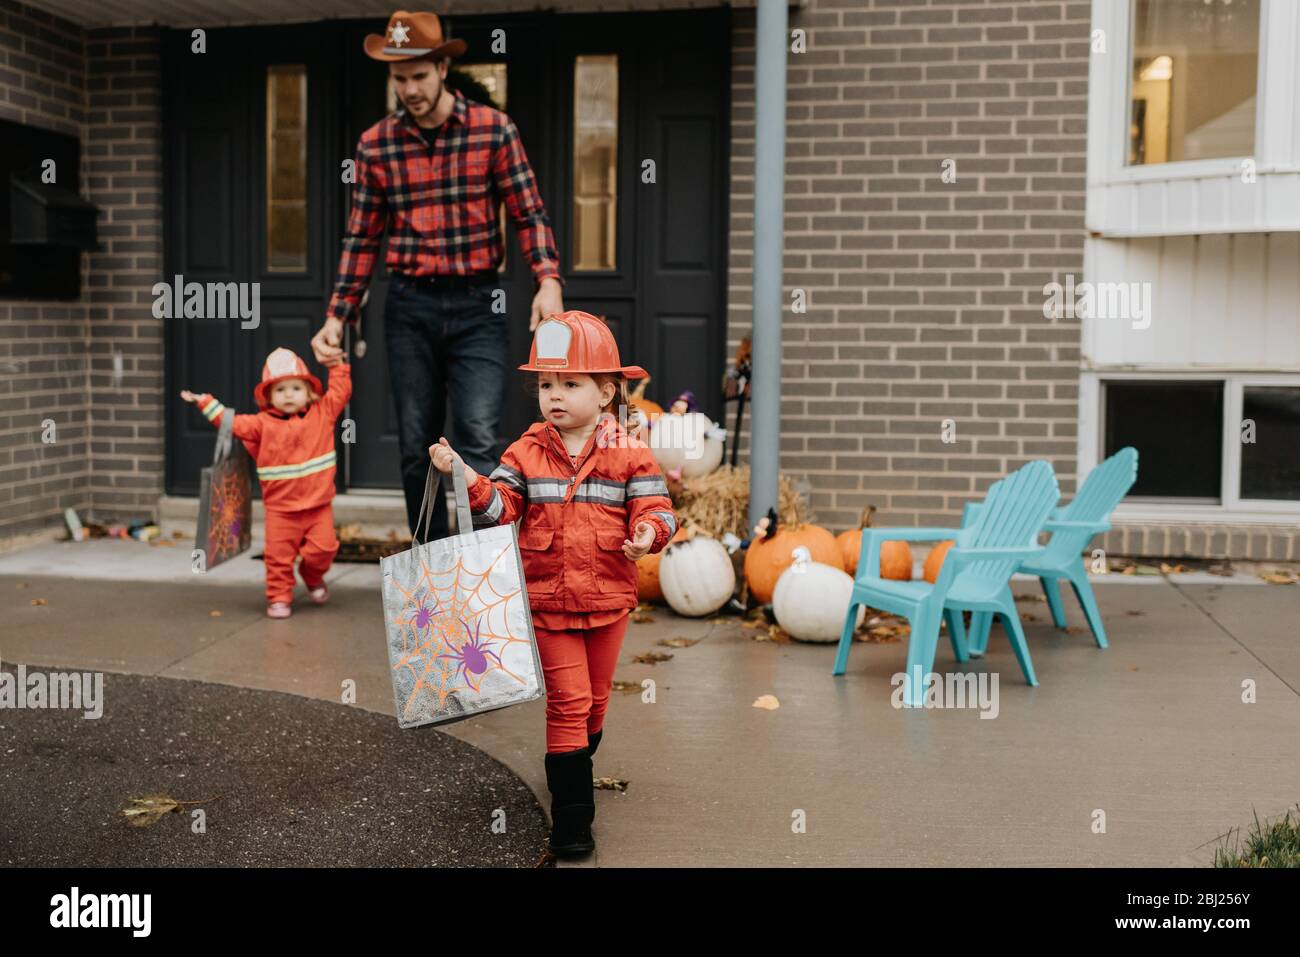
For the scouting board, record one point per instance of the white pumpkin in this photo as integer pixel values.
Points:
(690, 442)
(811, 598)
(696, 576)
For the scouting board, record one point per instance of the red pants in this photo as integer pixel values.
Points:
(309, 532)
(579, 670)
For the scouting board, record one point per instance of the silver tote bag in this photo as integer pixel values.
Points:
(456, 617)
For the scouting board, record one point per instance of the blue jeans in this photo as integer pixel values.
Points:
(444, 345)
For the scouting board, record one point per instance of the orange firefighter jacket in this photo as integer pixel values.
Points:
(576, 515)
(294, 453)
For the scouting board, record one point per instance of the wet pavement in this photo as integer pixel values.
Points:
(1153, 733)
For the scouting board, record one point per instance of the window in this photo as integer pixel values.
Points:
(1177, 428)
(1225, 444)
(595, 158)
(286, 168)
(1270, 443)
(1193, 80)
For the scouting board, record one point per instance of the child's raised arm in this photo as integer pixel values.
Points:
(339, 391)
(245, 427)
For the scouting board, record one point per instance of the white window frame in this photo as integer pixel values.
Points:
(1231, 508)
(1112, 73)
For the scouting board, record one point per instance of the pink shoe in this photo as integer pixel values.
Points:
(320, 594)
(279, 609)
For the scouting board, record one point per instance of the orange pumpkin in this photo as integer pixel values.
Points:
(895, 557)
(768, 557)
(934, 561)
(651, 410)
(647, 573)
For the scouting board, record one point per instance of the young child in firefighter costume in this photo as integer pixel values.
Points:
(292, 441)
(593, 501)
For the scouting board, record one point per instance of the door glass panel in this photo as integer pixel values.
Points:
(1270, 443)
(1177, 428)
(595, 158)
(286, 168)
(1194, 77)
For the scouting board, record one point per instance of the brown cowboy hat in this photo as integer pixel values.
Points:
(410, 36)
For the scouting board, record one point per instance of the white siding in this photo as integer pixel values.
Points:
(1219, 302)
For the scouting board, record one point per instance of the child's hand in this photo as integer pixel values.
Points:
(645, 537)
(444, 456)
(189, 396)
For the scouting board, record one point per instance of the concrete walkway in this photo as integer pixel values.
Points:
(1152, 732)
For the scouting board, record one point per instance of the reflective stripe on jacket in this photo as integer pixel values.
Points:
(294, 453)
(576, 517)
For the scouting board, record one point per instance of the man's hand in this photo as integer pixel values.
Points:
(547, 301)
(645, 537)
(189, 396)
(326, 344)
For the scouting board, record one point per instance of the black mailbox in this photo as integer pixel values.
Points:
(42, 214)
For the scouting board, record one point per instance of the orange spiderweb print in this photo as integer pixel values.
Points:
(455, 629)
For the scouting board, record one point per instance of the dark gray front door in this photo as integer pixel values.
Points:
(248, 125)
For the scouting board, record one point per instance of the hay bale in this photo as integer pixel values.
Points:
(718, 503)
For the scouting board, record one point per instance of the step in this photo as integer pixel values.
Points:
(377, 512)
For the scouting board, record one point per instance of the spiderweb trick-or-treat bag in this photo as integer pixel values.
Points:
(225, 526)
(460, 633)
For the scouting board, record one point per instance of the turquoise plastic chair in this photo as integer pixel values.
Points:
(1072, 527)
(976, 575)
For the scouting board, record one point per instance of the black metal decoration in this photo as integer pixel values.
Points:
(735, 386)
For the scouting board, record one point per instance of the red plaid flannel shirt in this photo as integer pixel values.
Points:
(440, 207)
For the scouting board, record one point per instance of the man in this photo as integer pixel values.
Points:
(433, 173)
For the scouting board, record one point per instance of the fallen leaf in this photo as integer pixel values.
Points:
(39, 601)
(214, 614)
(777, 633)
(767, 702)
(162, 543)
(643, 619)
(178, 534)
(1132, 667)
(677, 642)
(1224, 570)
(151, 809)
(1029, 618)
(1041, 598)
(21, 585)
(1134, 613)
(1279, 577)
(651, 658)
(609, 784)
(626, 686)
(1076, 630)
(1167, 569)
(643, 607)
(1146, 570)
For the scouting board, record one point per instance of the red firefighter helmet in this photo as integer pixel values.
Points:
(280, 365)
(576, 341)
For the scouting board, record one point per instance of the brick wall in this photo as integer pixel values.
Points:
(44, 348)
(924, 297)
(106, 461)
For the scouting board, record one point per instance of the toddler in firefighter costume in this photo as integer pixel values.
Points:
(292, 441)
(593, 501)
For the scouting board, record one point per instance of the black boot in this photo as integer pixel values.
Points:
(568, 776)
(593, 742)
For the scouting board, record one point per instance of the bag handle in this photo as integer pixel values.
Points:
(225, 434)
(464, 520)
